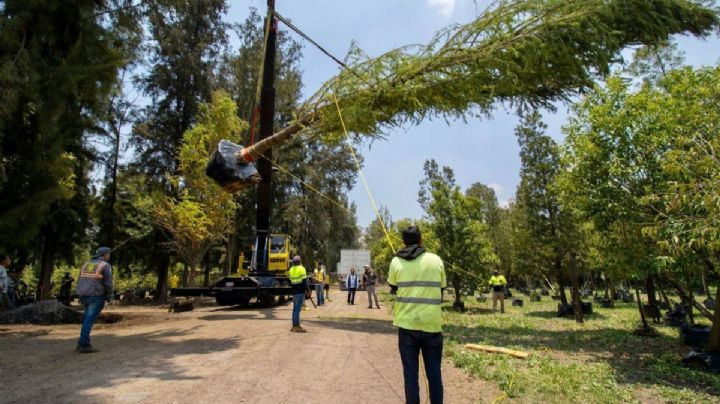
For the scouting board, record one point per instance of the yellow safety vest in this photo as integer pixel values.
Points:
(419, 294)
(319, 276)
(497, 280)
(297, 273)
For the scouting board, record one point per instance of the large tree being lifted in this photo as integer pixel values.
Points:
(524, 53)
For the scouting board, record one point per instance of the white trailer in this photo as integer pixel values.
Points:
(351, 259)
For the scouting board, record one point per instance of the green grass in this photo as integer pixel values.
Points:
(600, 361)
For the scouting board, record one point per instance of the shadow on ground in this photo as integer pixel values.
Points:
(364, 325)
(553, 314)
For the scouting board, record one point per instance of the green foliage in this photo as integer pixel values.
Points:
(529, 52)
(458, 237)
(202, 215)
(688, 217)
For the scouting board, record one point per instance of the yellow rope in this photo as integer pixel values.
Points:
(286, 171)
(362, 176)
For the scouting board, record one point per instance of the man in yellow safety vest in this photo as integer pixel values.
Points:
(319, 276)
(298, 280)
(497, 283)
(419, 278)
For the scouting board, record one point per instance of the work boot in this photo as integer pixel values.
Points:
(85, 349)
(300, 329)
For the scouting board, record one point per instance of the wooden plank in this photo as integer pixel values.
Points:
(493, 349)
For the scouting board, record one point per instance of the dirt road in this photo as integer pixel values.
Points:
(219, 355)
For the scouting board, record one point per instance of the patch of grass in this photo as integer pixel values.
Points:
(598, 361)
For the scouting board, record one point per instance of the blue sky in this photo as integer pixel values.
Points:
(478, 150)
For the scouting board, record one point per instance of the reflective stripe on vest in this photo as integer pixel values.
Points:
(418, 300)
(429, 284)
(84, 273)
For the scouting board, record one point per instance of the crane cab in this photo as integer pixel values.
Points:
(278, 253)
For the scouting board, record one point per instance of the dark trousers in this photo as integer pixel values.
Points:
(411, 343)
(351, 295)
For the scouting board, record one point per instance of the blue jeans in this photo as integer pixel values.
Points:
(298, 301)
(319, 292)
(411, 343)
(93, 306)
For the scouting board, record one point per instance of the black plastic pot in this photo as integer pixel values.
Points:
(696, 337)
(700, 360)
(517, 302)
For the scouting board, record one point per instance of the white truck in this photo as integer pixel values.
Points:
(351, 259)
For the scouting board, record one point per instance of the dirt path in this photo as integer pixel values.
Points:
(219, 355)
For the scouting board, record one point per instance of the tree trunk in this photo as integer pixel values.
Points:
(206, 269)
(162, 272)
(607, 287)
(714, 344)
(458, 304)
(706, 288)
(561, 291)
(684, 299)
(663, 295)
(640, 308)
(650, 288)
(47, 259)
(186, 275)
(691, 298)
(575, 291)
(561, 281)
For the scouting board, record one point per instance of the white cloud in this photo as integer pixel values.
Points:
(497, 188)
(444, 7)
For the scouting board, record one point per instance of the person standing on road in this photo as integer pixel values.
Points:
(370, 282)
(66, 289)
(319, 276)
(5, 262)
(298, 280)
(94, 287)
(326, 285)
(497, 283)
(419, 278)
(352, 284)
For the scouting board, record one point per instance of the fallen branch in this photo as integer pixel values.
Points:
(493, 349)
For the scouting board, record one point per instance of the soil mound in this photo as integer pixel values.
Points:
(43, 312)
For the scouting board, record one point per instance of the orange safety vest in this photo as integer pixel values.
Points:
(92, 270)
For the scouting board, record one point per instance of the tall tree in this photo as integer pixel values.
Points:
(460, 239)
(186, 39)
(496, 218)
(60, 73)
(537, 198)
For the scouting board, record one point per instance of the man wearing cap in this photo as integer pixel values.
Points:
(419, 278)
(370, 281)
(298, 280)
(94, 287)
